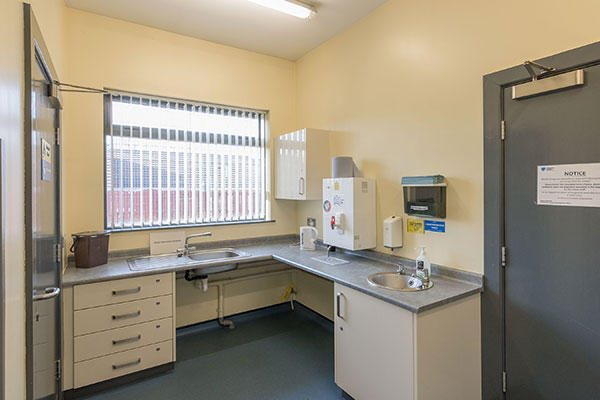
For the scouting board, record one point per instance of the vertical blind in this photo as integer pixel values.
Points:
(170, 162)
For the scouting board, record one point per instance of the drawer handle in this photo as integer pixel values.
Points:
(126, 291)
(128, 364)
(128, 340)
(130, 315)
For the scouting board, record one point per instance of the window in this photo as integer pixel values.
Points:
(172, 162)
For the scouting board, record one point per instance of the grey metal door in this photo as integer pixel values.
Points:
(552, 274)
(43, 236)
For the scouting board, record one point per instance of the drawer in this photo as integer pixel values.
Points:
(98, 319)
(121, 290)
(126, 362)
(122, 339)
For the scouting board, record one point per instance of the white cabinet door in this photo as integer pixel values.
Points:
(301, 163)
(373, 347)
(291, 166)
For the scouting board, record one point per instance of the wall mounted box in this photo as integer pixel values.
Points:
(349, 213)
(425, 200)
(392, 232)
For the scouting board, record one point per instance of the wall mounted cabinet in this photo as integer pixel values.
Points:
(301, 163)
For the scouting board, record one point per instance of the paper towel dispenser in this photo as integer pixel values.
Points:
(425, 200)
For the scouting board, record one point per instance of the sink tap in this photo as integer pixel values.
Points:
(186, 247)
(328, 250)
(400, 270)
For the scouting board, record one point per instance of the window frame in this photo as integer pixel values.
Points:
(266, 154)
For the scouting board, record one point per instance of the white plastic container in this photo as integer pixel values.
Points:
(392, 232)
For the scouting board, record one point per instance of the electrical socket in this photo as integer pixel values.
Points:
(311, 222)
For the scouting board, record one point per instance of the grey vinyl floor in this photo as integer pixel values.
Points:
(271, 354)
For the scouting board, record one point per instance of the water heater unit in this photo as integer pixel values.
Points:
(349, 213)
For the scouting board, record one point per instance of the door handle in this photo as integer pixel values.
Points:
(130, 315)
(128, 364)
(338, 297)
(301, 186)
(126, 291)
(128, 340)
(49, 293)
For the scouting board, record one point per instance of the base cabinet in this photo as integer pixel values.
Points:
(373, 351)
(385, 352)
(117, 327)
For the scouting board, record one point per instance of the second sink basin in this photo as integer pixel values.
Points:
(212, 255)
(197, 260)
(395, 281)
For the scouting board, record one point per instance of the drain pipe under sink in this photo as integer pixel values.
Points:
(204, 285)
(201, 282)
(221, 309)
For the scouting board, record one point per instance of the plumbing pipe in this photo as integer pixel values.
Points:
(221, 309)
(202, 283)
(221, 298)
(220, 289)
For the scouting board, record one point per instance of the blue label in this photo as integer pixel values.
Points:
(46, 171)
(435, 226)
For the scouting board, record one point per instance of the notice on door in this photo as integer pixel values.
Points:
(46, 161)
(571, 185)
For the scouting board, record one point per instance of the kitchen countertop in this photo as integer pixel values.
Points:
(353, 274)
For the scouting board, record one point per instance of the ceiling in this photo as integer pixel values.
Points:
(238, 23)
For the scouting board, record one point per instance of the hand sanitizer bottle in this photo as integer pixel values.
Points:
(423, 265)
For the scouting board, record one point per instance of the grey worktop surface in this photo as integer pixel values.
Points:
(354, 274)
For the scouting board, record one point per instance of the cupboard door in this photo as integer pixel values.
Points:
(300, 176)
(290, 167)
(301, 163)
(281, 166)
(374, 353)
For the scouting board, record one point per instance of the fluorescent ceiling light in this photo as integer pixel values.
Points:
(291, 7)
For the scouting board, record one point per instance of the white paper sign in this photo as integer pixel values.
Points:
(574, 185)
(163, 242)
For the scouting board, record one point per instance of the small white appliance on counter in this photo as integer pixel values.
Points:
(349, 213)
(392, 232)
(308, 238)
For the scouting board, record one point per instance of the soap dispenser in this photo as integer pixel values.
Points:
(423, 265)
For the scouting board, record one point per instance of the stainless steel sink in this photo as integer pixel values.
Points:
(211, 255)
(214, 269)
(396, 281)
(199, 261)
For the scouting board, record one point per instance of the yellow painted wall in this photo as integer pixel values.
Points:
(50, 16)
(105, 52)
(402, 90)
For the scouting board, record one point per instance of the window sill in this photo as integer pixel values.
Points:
(188, 226)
